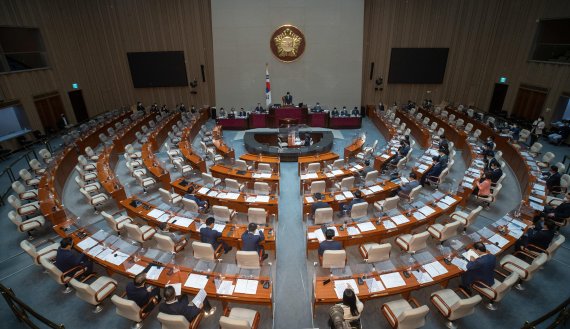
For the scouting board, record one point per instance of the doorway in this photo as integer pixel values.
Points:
(562, 109)
(78, 104)
(529, 102)
(498, 99)
(49, 107)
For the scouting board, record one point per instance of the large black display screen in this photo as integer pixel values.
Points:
(417, 65)
(158, 69)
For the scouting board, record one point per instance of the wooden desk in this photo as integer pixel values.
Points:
(273, 161)
(321, 158)
(452, 133)
(239, 205)
(220, 145)
(108, 160)
(352, 149)
(224, 171)
(154, 141)
(185, 145)
(231, 235)
(345, 122)
(420, 133)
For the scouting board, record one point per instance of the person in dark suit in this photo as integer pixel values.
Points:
(560, 212)
(435, 170)
(490, 142)
(308, 140)
(346, 207)
(553, 180)
(488, 151)
(287, 99)
(317, 108)
(344, 112)
(193, 110)
(182, 108)
(403, 150)
(366, 168)
(538, 235)
(407, 188)
(329, 243)
(444, 157)
(140, 107)
(232, 114)
(355, 112)
(251, 240)
(443, 143)
(62, 123)
(222, 113)
(496, 172)
(258, 108)
(211, 236)
(381, 107)
(67, 258)
(204, 205)
(242, 113)
(334, 112)
(480, 269)
(154, 108)
(182, 306)
(142, 295)
(318, 204)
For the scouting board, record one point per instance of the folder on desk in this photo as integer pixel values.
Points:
(246, 286)
(197, 281)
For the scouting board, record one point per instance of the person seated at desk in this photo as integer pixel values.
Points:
(381, 107)
(318, 204)
(488, 151)
(552, 180)
(193, 110)
(366, 168)
(329, 243)
(317, 108)
(222, 113)
(355, 112)
(174, 306)
(346, 207)
(435, 170)
(308, 140)
(483, 188)
(334, 112)
(403, 150)
(259, 109)
(154, 109)
(211, 236)
(489, 161)
(344, 112)
(538, 235)
(138, 292)
(560, 212)
(232, 114)
(140, 107)
(352, 307)
(444, 157)
(204, 205)
(287, 99)
(251, 240)
(182, 108)
(490, 142)
(443, 143)
(242, 113)
(481, 268)
(67, 258)
(496, 172)
(516, 132)
(407, 188)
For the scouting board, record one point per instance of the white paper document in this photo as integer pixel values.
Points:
(155, 213)
(392, 280)
(461, 263)
(374, 285)
(422, 277)
(104, 253)
(400, 219)
(309, 199)
(338, 172)
(163, 218)
(448, 200)
(339, 197)
(87, 243)
(197, 281)
(388, 224)
(181, 221)
(426, 210)
(341, 285)
(348, 194)
(385, 156)
(96, 250)
(470, 253)
(419, 216)
(435, 269)
(498, 240)
(352, 230)
(226, 288)
(203, 190)
(492, 248)
(198, 300)
(154, 272)
(442, 205)
(262, 198)
(246, 286)
(116, 258)
(213, 194)
(376, 188)
(366, 226)
(136, 269)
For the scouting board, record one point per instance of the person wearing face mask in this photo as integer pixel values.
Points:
(560, 212)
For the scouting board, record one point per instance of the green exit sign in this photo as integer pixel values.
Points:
(503, 79)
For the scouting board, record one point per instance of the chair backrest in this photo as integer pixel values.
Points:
(313, 167)
(25, 174)
(232, 184)
(379, 252)
(190, 205)
(30, 249)
(164, 195)
(415, 192)
(338, 163)
(52, 270)
(536, 147)
(110, 220)
(323, 215)
(234, 323)
(134, 232)
(535, 265)
(203, 250)
(506, 285)
(266, 167)
(35, 164)
(248, 259)
(468, 127)
(547, 157)
(14, 202)
(451, 118)
(222, 212)
(318, 186)
(164, 242)
(459, 122)
(257, 215)
(170, 321)
(127, 308)
(433, 126)
(419, 241)
(347, 183)
(477, 133)
(440, 131)
(496, 190)
(450, 230)
(371, 177)
(560, 166)
(359, 210)
(426, 121)
(82, 160)
(554, 245)
(241, 165)
(391, 203)
(261, 188)
(208, 179)
(464, 307)
(334, 259)
(15, 217)
(18, 187)
(413, 318)
(565, 180)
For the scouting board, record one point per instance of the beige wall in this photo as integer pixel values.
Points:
(87, 42)
(487, 39)
(329, 71)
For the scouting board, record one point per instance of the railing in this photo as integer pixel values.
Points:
(23, 312)
(562, 313)
(10, 173)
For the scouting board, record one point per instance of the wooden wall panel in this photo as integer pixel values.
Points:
(87, 42)
(487, 39)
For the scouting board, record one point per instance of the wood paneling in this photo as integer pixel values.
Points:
(487, 39)
(87, 42)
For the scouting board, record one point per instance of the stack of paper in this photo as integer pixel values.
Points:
(96, 250)
(246, 286)
(388, 224)
(337, 172)
(339, 197)
(442, 205)
(250, 199)
(155, 213)
(232, 196)
(435, 269)
(392, 280)
(181, 221)
(374, 285)
(448, 200)
(498, 240)
(461, 263)
(426, 210)
(352, 230)
(213, 194)
(422, 277)
(366, 226)
(262, 198)
(203, 190)
(470, 253)
(104, 253)
(164, 218)
(116, 258)
(419, 216)
(154, 272)
(348, 194)
(366, 191)
(199, 298)
(87, 243)
(400, 219)
(385, 156)
(492, 248)
(197, 281)
(376, 188)
(135, 269)
(226, 288)
(309, 199)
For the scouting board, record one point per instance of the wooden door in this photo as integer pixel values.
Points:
(49, 110)
(529, 102)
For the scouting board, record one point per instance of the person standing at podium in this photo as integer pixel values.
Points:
(287, 99)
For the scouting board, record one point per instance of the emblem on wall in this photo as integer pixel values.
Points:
(287, 43)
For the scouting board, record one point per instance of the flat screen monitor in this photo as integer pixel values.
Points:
(417, 65)
(158, 69)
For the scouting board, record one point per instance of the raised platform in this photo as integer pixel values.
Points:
(266, 142)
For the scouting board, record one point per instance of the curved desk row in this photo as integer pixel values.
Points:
(260, 142)
(185, 145)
